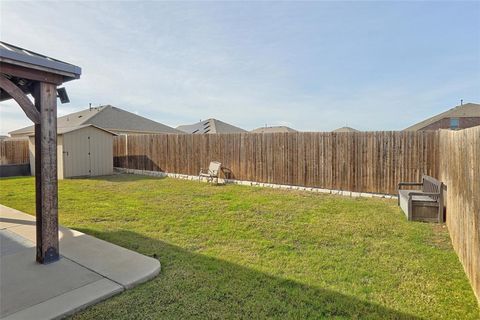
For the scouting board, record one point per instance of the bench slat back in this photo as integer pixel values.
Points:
(431, 184)
(214, 167)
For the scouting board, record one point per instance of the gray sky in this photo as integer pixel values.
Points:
(312, 65)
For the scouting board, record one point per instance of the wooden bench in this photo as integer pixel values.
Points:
(425, 204)
(212, 172)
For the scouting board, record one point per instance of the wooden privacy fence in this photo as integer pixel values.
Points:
(460, 171)
(363, 162)
(14, 152)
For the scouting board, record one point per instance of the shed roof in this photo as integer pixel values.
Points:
(63, 130)
(20, 56)
(461, 111)
(107, 117)
(210, 126)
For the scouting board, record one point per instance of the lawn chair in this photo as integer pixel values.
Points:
(212, 172)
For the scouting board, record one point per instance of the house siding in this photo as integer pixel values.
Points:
(444, 123)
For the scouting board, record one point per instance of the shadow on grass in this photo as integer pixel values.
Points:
(124, 177)
(192, 285)
(142, 162)
(15, 177)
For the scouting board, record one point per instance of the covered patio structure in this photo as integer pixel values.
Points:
(25, 72)
(88, 269)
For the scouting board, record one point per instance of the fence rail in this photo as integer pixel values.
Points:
(14, 152)
(460, 171)
(363, 162)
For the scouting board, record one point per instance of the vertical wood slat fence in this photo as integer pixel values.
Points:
(460, 171)
(14, 152)
(362, 162)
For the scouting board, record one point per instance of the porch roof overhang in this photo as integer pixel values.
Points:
(23, 67)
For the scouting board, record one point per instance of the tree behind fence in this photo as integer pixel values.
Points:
(362, 162)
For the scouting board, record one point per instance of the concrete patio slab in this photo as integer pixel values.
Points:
(89, 270)
(69, 302)
(111, 261)
(12, 217)
(11, 243)
(25, 283)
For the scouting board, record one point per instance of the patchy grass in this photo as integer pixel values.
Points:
(241, 252)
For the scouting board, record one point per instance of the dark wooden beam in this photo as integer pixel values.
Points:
(19, 96)
(46, 183)
(30, 74)
(26, 87)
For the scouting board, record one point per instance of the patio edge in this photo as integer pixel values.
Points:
(70, 302)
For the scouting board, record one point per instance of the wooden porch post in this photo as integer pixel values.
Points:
(46, 184)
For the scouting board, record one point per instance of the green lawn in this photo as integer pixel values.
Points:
(243, 252)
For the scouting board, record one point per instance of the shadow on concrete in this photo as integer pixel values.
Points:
(17, 221)
(64, 233)
(193, 285)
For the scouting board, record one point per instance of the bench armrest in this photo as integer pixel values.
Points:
(428, 194)
(410, 183)
(402, 184)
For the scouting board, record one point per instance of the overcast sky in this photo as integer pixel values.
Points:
(312, 66)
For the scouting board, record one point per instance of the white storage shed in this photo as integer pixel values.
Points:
(82, 151)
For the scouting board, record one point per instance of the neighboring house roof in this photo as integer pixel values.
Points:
(71, 129)
(19, 56)
(345, 129)
(106, 117)
(273, 129)
(462, 111)
(210, 126)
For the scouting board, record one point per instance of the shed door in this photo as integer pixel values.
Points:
(76, 154)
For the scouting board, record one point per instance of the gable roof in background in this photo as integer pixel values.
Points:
(106, 117)
(461, 111)
(273, 129)
(210, 126)
(345, 129)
